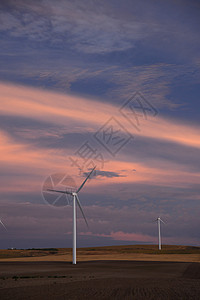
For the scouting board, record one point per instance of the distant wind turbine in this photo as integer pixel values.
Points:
(159, 220)
(75, 199)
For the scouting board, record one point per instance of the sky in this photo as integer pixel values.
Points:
(111, 84)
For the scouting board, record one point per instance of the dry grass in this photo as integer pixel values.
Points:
(131, 252)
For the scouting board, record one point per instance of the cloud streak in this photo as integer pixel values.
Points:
(40, 105)
(107, 174)
(47, 22)
(19, 152)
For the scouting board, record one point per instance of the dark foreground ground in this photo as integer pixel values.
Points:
(99, 280)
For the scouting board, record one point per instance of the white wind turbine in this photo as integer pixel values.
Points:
(159, 220)
(75, 199)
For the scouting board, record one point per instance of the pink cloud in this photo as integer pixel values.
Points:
(58, 108)
(122, 236)
(55, 108)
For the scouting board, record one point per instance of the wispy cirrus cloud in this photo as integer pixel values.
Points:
(40, 105)
(34, 150)
(88, 29)
(76, 42)
(70, 23)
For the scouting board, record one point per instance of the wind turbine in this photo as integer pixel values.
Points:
(159, 220)
(75, 200)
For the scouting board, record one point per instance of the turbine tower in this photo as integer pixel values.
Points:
(75, 200)
(159, 220)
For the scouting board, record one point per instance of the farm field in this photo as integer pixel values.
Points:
(131, 252)
(101, 273)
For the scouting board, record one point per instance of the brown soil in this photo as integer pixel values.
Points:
(100, 280)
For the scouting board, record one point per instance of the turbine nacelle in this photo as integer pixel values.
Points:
(160, 220)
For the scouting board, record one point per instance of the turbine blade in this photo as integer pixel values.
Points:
(63, 192)
(79, 204)
(85, 180)
(3, 224)
(162, 221)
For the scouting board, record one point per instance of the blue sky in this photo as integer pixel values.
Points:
(66, 68)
